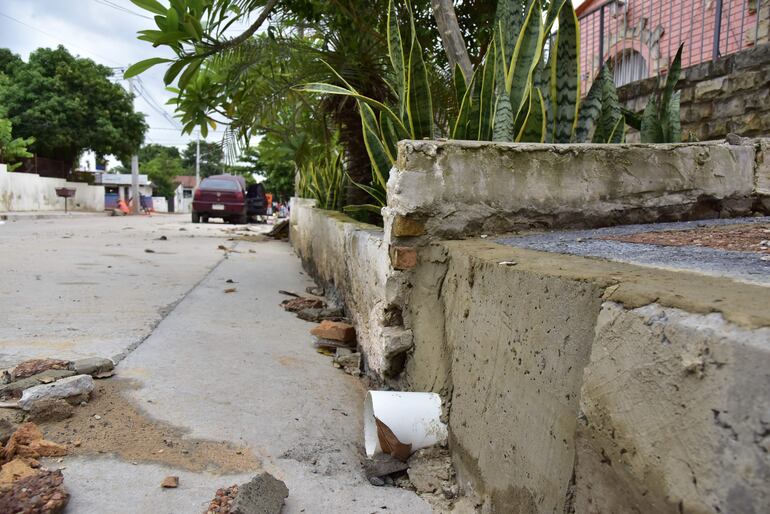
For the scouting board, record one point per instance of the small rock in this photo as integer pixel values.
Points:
(383, 464)
(15, 388)
(77, 443)
(50, 410)
(6, 430)
(170, 482)
(376, 481)
(298, 304)
(315, 290)
(92, 366)
(336, 331)
(317, 315)
(430, 469)
(76, 385)
(15, 470)
(147, 250)
(230, 290)
(52, 375)
(264, 494)
(97, 417)
(162, 238)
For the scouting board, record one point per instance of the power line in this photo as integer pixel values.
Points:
(107, 3)
(55, 38)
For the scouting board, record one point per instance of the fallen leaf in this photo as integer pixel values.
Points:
(390, 443)
(230, 290)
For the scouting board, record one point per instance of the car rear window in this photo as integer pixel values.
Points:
(220, 184)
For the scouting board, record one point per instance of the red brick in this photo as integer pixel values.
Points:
(336, 331)
(403, 257)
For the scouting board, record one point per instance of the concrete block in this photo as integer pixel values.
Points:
(676, 415)
(762, 167)
(709, 89)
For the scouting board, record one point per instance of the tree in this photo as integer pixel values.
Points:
(212, 158)
(69, 105)
(275, 162)
(11, 150)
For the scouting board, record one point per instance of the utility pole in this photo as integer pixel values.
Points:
(135, 205)
(198, 161)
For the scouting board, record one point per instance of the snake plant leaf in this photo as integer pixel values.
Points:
(618, 134)
(487, 95)
(610, 109)
(671, 80)
(503, 120)
(633, 119)
(554, 8)
(460, 87)
(389, 137)
(460, 127)
(651, 131)
(534, 126)
(378, 156)
(526, 55)
(542, 80)
(508, 22)
(590, 108)
(396, 54)
(565, 74)
(672, 124)
(419, 107)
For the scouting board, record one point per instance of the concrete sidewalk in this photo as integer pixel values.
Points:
(235, 367)
(46, 215)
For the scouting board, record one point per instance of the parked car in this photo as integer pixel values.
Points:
(220, 196)
(256, 202)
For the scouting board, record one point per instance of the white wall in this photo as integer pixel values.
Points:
(159, 204)
(31, 192)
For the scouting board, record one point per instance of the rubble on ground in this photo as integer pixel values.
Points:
(35, 366)
(301, 303)
(27, 442)
(430, 470)
(348, 360)
(42, 492)
(223, 500)
(74, 388)
(50, 410)
(280, 230)
(264, 494)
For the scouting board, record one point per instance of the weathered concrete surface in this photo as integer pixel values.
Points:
(519, 341)
(462, 187)
(84, 286)
(351, 260)
(505, 334)
(31, 192)
(257, 381)
(676, 415)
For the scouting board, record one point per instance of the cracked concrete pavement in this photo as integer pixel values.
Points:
(226, 367)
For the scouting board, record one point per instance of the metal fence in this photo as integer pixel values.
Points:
(639, 38)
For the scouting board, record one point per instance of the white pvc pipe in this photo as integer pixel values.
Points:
(414, 419)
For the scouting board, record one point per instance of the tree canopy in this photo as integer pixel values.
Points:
(69, 105)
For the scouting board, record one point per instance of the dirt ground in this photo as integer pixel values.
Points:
(126, 431)
(739, 238)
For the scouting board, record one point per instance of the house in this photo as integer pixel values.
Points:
(117, 186)
(183, 194)
(639, 38)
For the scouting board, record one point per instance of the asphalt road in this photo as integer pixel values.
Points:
(231, 367)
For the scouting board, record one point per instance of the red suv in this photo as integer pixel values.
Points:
(220, 196)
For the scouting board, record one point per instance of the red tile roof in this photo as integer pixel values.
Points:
(187, 181)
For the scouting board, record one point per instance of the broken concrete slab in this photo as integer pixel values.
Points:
(52, 375)
(319, 315)
(76, 385)
(430, 469)
(15, 388)
(92, 366)
(264, 494)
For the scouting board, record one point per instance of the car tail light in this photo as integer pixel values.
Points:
(239, 196)
(197, 195)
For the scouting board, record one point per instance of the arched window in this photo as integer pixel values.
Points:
(628, 66)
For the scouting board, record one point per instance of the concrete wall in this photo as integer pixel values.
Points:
(350, 259)
(459, 188)
(31, 192)
(159, 204)
(570, 384)
(720, 97)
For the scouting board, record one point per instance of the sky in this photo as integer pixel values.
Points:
(103, 31)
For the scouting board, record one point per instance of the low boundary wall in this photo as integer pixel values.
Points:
(571, 384)
(31, 192)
